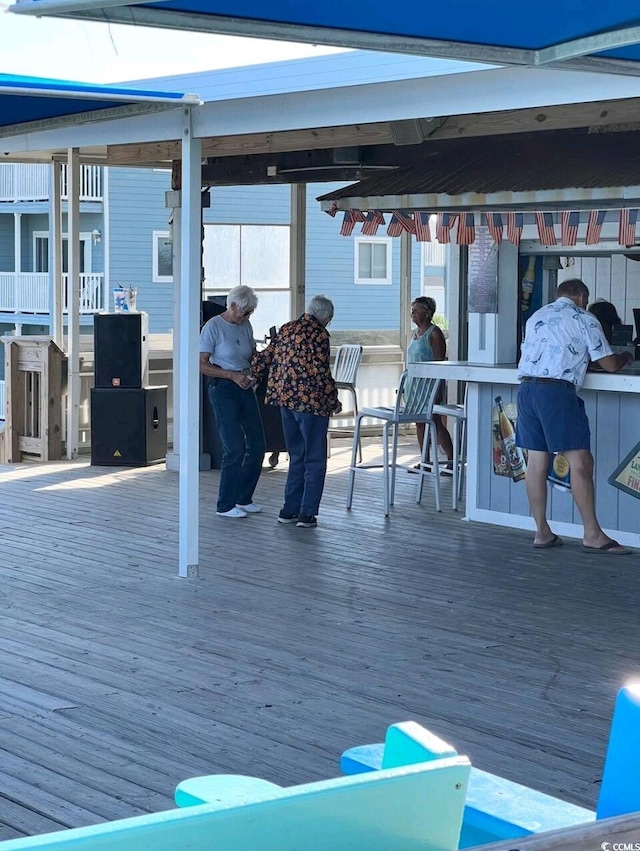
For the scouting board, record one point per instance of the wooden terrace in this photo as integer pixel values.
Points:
(118, 679)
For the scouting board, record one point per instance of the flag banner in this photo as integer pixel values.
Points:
(569, 227)
(372, 222)
(627, 230)
(422, 229)
(444, 223)
(466, 229)
(405, 220)
(546, 233)
(626, 476)
(495, 226)
(358, 215)
(334, 209)
(394, 228)
(515, 222)
(348, 224)
(594, 226)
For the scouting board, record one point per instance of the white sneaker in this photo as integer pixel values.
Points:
(232, 512)
(251, 508)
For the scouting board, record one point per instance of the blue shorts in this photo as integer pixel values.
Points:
(551, 417)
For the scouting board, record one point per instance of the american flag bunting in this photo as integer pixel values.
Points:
(348, 224)
(515, 222)
(372, 222)
(406, 220)
(545, 228)
(334, 209)
(394, 228)
(444, 223)
(494, 226)
(422, 229)
(569, 227)
(627, 231)
(594, 226)
(358, 215)
(466, 233)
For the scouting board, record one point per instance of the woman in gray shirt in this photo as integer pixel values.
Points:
(226, 348)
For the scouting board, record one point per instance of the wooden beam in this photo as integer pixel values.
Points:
(619, 832)
(595, 114)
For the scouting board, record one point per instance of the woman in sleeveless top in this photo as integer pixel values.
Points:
(427, 343)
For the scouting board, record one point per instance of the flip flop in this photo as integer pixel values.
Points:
(611, 548)
(554, 542)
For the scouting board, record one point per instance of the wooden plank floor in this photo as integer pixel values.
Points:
(118, 680)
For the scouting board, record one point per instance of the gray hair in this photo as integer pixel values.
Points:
(243, 297)
(322, 308)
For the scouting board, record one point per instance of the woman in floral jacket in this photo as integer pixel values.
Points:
(301, 384)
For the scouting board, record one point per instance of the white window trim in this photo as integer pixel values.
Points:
(386, 240)
(85, 236)
(159, 279)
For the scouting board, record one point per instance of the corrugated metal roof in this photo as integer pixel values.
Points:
(543, 162)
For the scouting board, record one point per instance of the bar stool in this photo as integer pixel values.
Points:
(345, 373)
(459, 415)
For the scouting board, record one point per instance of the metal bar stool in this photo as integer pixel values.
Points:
(459, 415)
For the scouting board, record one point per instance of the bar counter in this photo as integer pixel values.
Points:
(612, 402)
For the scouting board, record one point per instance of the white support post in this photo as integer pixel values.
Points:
(173, 201)
(298, 249)
(73, 297)
(17, 242)
(188, 367)
(405, 290)
(55, 231)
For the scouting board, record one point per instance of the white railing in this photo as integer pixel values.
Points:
(30, 182)
(28, 292)
(434, 253)
(3, 401)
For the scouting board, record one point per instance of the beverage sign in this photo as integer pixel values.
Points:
(559, 473)
(508, 459)
(627, 475)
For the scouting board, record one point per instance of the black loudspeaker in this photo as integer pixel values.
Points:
(128, 426)
(121, 349)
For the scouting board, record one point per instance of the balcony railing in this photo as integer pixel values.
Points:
(30, 182)
(28, 292)
(3, 401)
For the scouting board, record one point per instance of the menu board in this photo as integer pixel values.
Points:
(627, 475)
(483, 273)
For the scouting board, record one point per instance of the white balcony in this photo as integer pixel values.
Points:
(30, 182)
(28, 292)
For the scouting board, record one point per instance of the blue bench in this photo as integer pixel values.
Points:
(412, 808)
(497, 808)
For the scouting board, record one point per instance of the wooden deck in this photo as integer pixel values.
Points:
(118, 679)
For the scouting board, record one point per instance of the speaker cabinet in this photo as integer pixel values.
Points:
(128, 426)
(121, 349)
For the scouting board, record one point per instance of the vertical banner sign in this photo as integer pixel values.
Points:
(559, 473)
(627, 475)
(508, 459)
(483, 273)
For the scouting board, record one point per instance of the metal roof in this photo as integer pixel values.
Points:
(530, 172)
(577, 32)
(27, 101)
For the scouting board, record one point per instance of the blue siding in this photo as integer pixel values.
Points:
(136, 210)
(6, 243)
(250, 205)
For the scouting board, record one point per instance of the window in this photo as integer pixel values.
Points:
(162, 257)
(372, 260)
(41, 252)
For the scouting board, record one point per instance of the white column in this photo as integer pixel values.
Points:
(405, 289)
(106, 241)
(188, 368)
(55, 253)
(73, 297)
(298, 249)
(17, 262)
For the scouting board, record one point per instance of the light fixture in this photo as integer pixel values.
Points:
(96, 236)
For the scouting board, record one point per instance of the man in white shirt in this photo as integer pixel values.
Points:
(560, 341)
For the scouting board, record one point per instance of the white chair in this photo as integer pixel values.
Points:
(414, 404)
(459, 415)
(345, 372)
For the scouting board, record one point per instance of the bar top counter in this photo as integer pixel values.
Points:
(625, 381)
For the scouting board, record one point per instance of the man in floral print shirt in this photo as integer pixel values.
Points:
(301, 384)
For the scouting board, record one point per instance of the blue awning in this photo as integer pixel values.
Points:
(24, 100)
(579, 33)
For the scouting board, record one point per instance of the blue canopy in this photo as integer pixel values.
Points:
(580, 33)
(27, 99)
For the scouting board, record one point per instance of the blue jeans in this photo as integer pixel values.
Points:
(305, 436)
(243, 446)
